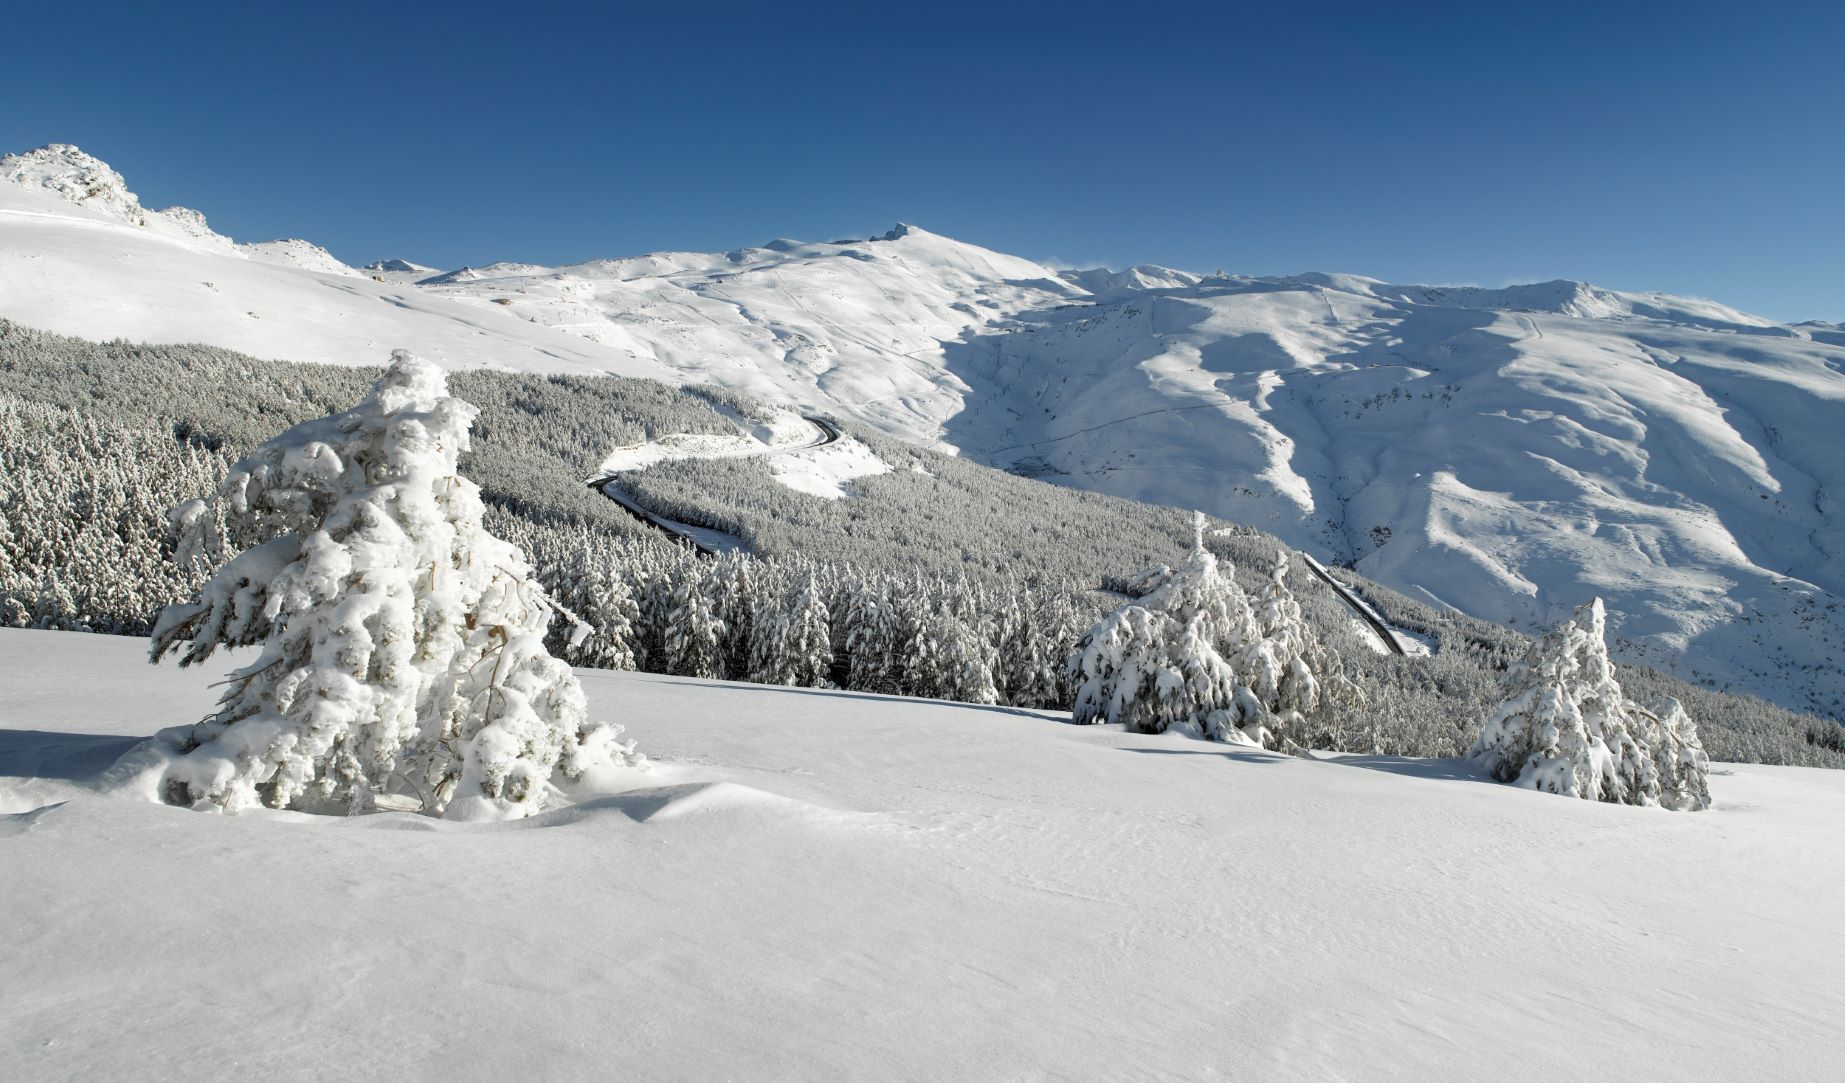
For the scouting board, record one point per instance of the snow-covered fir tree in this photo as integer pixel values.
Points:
(1170, 659)
(1678, 756)
(1117, 667)
(402, 645)
(595, 592)
(692, 645)
(1566, 728)
(1299, 679)
(873, 632)
(791, 644)
(737, 593)
(950, 660)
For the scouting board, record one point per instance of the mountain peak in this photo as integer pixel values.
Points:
(80, 178)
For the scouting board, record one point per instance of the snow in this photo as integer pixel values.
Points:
(295, 252)
(827, 885)
(104, 268)
(1509, 452)
(827, 471)
(804, 455)
(715, 541)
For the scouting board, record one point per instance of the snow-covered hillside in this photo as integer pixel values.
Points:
(1509, 452)
(1506, 452)
(826, 885)
(80, 255)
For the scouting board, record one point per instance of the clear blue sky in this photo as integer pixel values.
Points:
(1678, 147)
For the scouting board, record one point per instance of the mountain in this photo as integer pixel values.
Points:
(1509, 452)
(80, 255)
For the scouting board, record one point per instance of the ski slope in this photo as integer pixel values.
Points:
(824, 885)
(1507, 452)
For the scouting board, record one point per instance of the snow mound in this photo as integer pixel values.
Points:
(665, 804)
(187, 224)
(491, 271)
(1141, 276)
(1561, 297)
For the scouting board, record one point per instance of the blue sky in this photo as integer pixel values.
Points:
(1684, 148)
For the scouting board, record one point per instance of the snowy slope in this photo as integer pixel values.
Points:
(295, 252)
(1509, 452)
(859, 324)
(79, 255)
(806, 456)
(1506, 452)
(826, 886)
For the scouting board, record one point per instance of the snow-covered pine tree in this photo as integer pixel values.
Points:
(1116, 669)
(591, 588)
(791, 643)
(1677, 753)
(694, 634)
(1169, 659)
(1018, 638)
(651, 585)
(1200, 588)
(951, 660)
(402, 645)
(738, 590)
(871, 638)
(1198, 691)
(1300, 680)
(1564, 727)
(1058, 624)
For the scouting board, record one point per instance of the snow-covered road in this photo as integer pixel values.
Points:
(706, 540)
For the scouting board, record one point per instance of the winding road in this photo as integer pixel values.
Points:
(705, 540)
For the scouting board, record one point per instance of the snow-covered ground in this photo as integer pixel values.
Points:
(825, 885)
(807, 456)
(1509, 452)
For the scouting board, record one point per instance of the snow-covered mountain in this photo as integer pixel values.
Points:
(1509, 452)
(80, 255)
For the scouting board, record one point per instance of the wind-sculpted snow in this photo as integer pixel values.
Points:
(1510, 452)
(828, 885)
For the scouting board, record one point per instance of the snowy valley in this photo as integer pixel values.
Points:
(1506, 452)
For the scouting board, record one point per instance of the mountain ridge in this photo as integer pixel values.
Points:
(1508, 451)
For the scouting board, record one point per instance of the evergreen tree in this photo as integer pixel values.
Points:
(592, 589)
(402, 645)
(952, 661)
(1169, 660)
(1677, 754)
(694, 634)
(1565, 726)
(792, 644)
(1300, 680)
(1117, 667)
(872, 631)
